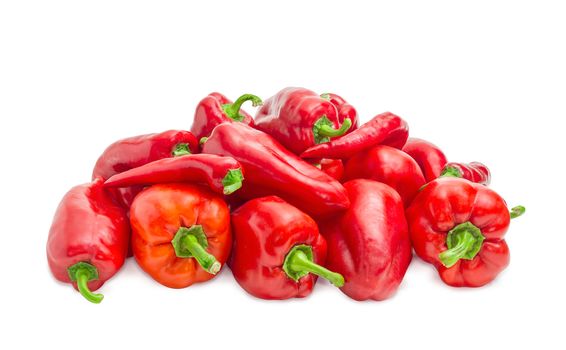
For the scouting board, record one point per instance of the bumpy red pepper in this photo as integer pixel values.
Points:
(180, 233)
(428, 156)
(278, 252)
(216, 109)
(474, 171)
(390, 166)
(88, 239)
(299, 118)
(387, 129)
(345, 110)
(459, 227)
(221, 174)
(136, 151)
(270, 169)
(369, 244)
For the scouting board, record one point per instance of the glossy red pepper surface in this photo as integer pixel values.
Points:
(428, 156)
(345, 110)
(277, 251)
(88, 238)
(474, 172)
(332, 167)
(369, 244)
(390, 166)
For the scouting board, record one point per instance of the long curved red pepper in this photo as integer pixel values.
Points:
(88, 239)
(221, 174)
(386, 128)
(299, 118)
(459, 227)
(216, 109)
(474, 172)
(278, 252)
(369, 244)
(428, 156)
(345, 110)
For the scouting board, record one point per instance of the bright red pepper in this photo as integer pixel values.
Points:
(332, 167)
(459, 227)
(88, 239)
(428, 156)
(369, 244)
(216, 109)
(474, 172)
(180, 233)
(299, 118)
(390, 166)
(386, 128)
(345, 110)
(278, 251)
(136, 151)
(270, 169)
(221, 174)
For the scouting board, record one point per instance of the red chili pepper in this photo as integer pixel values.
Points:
(345, 110)
(387, 129)
(180, 233)
(278, 252)
(369, 243)
(270, 169)
(299, 118)
(390, 166)
(88, 239)
(474, 172)
(459, 227)
(221, 174)
(215, 109)
(428, 156)
(136, 151)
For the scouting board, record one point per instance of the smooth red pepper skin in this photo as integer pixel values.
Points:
(159, 213)
(291, 115)
(369, 244)
(88, 227)
(265, 229)
(386, 128)
(332, 167)
(136, 151)
(200, 168)
(389, 166)
(345, 110)
(209, 114)
(444, 204)
(474, 172)
(428, 156)
(272, 170)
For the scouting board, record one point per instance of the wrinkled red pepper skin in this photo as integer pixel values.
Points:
(136, 151)
(265, 229)
(88, 227)
(209, 113)
(345, 110)
(272, 170)
(474, 172)
(369, 244)
(389, 166)
(386, 128)
(428, 156)
(444, 204)
(210, 169)
(333, 168)
(290, 116)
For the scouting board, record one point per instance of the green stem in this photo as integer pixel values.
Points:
(232, 181)
(192, 243)
(450, 171)
(329, 131)
(232, 110)
(464, 242)
(517, 211)
(81, 273)
(202, 140)
(299, 263)
(181, 149)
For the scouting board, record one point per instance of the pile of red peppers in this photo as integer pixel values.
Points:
(298, 192)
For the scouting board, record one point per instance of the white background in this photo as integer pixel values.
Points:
(485, 81)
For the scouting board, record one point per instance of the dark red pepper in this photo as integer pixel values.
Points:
(428, 156)
(278, 251)
(88, 239)
(215, 109)
(387, 129)
(299, 118)
(345, 110)
(474, 172)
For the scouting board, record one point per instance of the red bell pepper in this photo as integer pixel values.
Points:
(215, 109)
(221, 174)
(299, 118)
(270, 169)
(180, 233)
(278, 252)
(459, 227)
(369, 244)
(387, 129)
(474, 172)
(345, 110)
(88, 239)
(136, 151)
(428, 156)
(390, 166)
